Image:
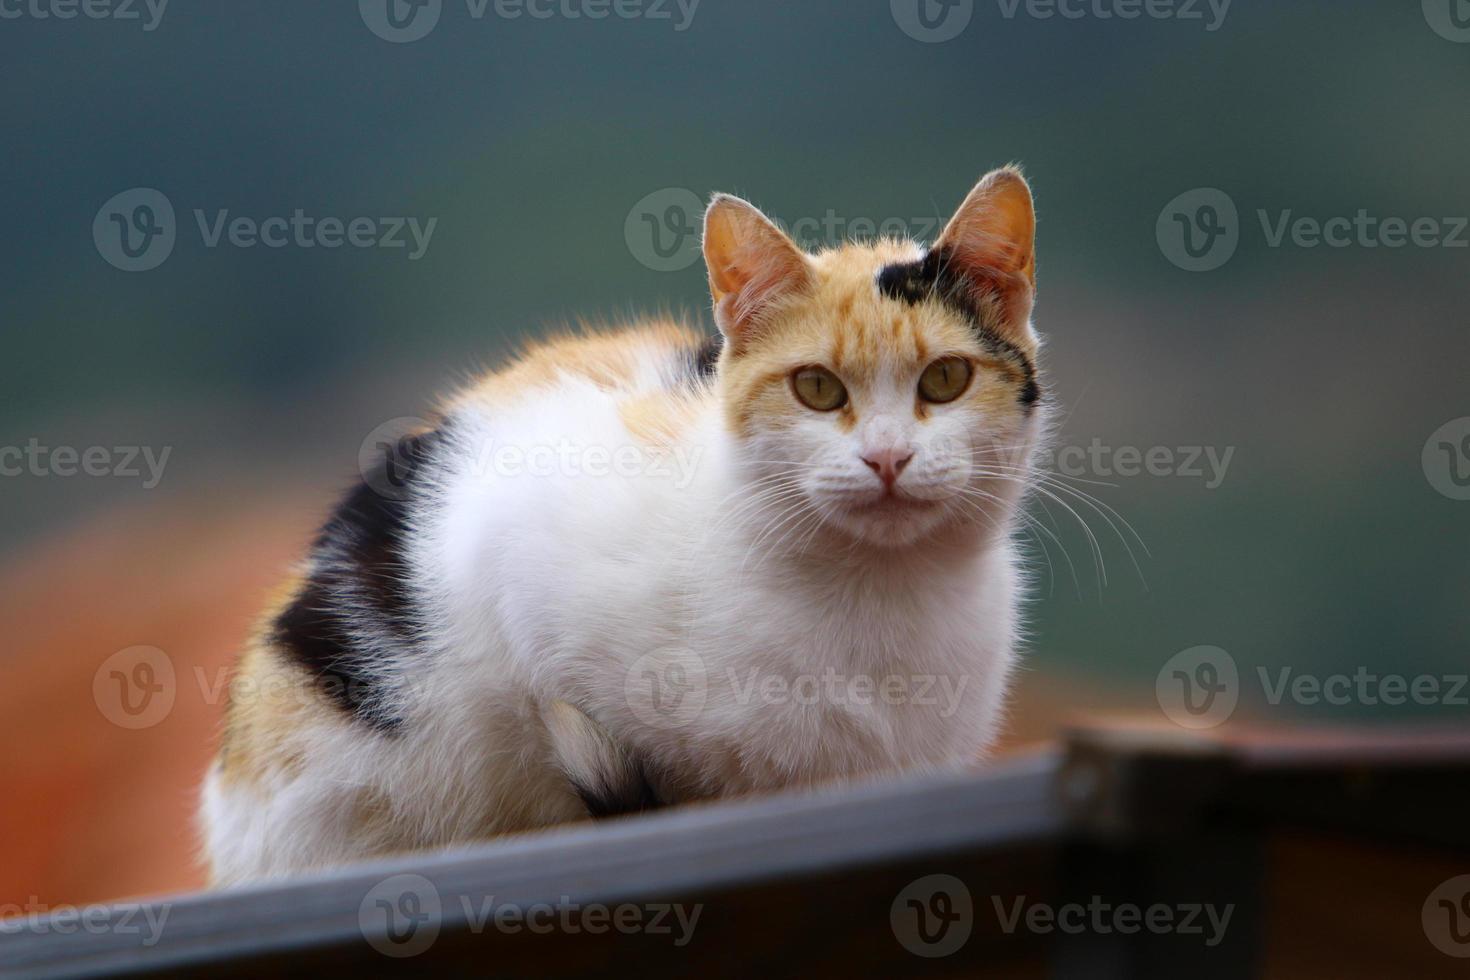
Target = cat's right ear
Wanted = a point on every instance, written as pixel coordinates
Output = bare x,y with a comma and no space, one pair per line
752,265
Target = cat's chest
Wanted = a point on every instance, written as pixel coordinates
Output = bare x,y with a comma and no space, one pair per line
800,692
776,721
788,625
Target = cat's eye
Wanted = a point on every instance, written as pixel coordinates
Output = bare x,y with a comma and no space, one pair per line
945,380
819,389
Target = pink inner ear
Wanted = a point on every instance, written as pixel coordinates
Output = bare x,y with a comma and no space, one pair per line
760,274
751,264
991,246
987,253
998,274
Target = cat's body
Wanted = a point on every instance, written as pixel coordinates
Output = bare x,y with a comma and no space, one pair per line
623,572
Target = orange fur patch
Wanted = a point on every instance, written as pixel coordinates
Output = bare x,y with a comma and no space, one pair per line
660,418
613,360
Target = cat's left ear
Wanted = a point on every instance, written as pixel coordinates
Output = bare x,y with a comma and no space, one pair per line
752,264
990,243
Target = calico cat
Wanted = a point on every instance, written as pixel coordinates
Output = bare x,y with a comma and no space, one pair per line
773,558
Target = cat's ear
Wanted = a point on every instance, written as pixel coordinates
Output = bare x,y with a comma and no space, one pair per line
752,265
990,243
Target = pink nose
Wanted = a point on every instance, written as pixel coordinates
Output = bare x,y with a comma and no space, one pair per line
888,463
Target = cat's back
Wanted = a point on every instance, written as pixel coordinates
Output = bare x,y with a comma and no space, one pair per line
639,359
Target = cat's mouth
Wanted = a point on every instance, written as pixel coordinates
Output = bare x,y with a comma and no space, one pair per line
893,502
894,519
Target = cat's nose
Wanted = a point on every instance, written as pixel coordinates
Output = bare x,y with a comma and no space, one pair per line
888,463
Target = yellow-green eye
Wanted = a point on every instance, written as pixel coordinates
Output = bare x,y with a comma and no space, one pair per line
945,380
819,389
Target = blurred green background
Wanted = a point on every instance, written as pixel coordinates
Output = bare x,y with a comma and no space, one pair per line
1325,547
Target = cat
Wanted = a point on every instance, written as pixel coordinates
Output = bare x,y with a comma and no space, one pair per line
775,557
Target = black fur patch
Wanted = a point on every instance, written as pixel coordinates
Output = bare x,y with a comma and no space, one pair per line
933,277
358,588
707,357
913,282
605,801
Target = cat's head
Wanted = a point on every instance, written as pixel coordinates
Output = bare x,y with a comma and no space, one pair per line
887,390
